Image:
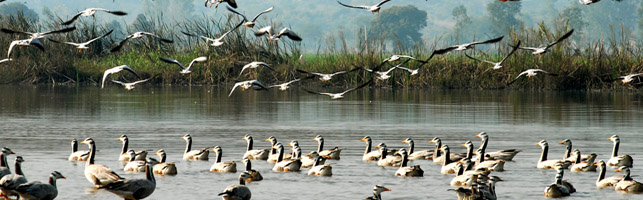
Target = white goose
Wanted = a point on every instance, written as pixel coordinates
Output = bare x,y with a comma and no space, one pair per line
616,160
337,96
284,86
254,65
84,45
268,31
374,8
184,70
545,49
248,84
91,12
134,165
250,23
130,86
531,73
507,154
115,70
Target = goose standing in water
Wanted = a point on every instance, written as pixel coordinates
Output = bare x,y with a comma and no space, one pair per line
320,169
77,155
368,154
163,167
134,188
238,191
417,155
583,166
254,174
605,182
283,165
408,171
10,182
92,12
627,184
40,191
99,175
616,160
543,163
274,155
544,49
559,188
134,165
4,166
374,8
377,192
331,154
448,166
249,23
219,166
259,154
184,70
125,155
189,154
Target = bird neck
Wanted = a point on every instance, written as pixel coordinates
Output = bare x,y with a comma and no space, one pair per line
3,160
369,144
568,151
405,160
248,166
485,141
543,154
188,145
481,156
281,154
437,152
469,152
163,157
125,145
320,145
219,155
615,149
577,158
92,153
447,157
250,143
411,147
149,174
242,181
74,147
601,174
18,169
383,153
52,180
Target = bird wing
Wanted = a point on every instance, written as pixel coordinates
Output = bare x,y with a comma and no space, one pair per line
404,68
199,59
235,87
266,65
359,7
69,43
235,12
141,81
261,85
313,92
528,48
120,44
305,72
4,30
472,58
119,13
168,60
5,60
488,41
229,31
358,87
561,38
13,44
512,51
193,35
290,82
37,43
263,31
232,3
292,35
74,18
398,65
156,36
261,13
102,36
382,2
119,82
59,31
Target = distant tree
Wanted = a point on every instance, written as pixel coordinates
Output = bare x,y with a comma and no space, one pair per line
502,16
461,18
608,16
573,15
405,22
641,20
15,8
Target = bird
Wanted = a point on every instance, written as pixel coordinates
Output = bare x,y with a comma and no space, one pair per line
326,77
134,188
125,155
10,182
330,154
163,167
184,70
583,166
319,169
84,45
254,174
530,73
38,35
249,23
137,35
98,175
92,12
254,154
559,188
569,151
4,168
130,86
462,47
374,8
40,191
544,49
616,160
435,52
602,181
117,69
543,163
134,165
627,184
77,155
337,96
416,155
629,78
377,192
408,171
448,166
394,58
385,160
219,166
5,60
215,42
248,84
238,191
232,3
507,154
368,154
269,32
189,154
383,75
285,165
587,2
26,42
254,65
497,65
284,86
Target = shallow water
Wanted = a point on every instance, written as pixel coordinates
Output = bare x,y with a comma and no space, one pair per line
39,122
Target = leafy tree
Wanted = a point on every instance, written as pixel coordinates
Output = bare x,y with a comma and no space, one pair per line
502,16
573,15
15,8
461,17
403,22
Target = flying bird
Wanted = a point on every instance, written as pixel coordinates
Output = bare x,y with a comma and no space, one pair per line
435,52
326,77
248,84
184,70
254,65
130,86
215,41
137,35
41,35
116,70
26,42
629,78
462,47
91,12
249,23
545,49
383,75
269,31
497,65
374,8
284,86
530,73
336,96
587,2
84,45
232,3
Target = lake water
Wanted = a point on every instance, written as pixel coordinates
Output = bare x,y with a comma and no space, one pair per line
38,123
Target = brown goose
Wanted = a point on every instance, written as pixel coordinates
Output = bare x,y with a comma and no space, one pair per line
99,175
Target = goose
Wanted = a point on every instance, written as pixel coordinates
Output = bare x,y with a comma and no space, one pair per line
629,78
41,35
184,70
627,184
258,154
408,171
115,70
544,49
134,188
137,35
462,47
219,166
461,179
492,165
248,84
26,42
559,188
273,155
285,165
531,73
337,96
163,167
368,154
497,65
254,65
383,75
91,12
448,166
99,175
125,155
543,163
134,165
216,3
214,42
77,155
326,77
374,8
587,2
490,191
237,191
569,151
268,31
435,52
471,192
308,160
602,181
10,182
385,160
130,86
416,155
584,166
84,45
4,166
40,191
438,156
616,160
189,154
377,192
254,174
249,23
284,86
320,169
331,154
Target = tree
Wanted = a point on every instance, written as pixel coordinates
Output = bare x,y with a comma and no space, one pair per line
15,8
399,22
502,16
641,20
574,17
461,17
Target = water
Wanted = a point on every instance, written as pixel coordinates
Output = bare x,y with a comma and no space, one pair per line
39,122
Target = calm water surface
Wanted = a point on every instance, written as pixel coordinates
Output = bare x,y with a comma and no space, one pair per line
39,122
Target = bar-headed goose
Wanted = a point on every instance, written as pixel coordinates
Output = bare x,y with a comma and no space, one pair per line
77,155
602,181
368,154
320,169
163,167
134,188
627,184
254,154
282,165
9,183
377,192
38,190
417,155
543,163
408,171
134,165
238,191
219,166
331,154
583,166
189,154
125,155
254,174
99,175
616,160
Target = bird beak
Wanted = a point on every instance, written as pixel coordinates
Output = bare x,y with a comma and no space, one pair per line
610,139
405,142
431,142
386,189
376,147
63,177
478,136
464,145
561,143
248,179
119,139
363,140
83,142
157,153
617,170
183,137
267,140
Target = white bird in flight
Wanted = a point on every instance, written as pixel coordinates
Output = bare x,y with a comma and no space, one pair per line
275,37
117,69
587,2
336,96
250,23
130,86
84,45
184,70
284,86
41,35
383,75
530,73
91,12
497,65
374,8
629,78
325,77
26,42
254,65
246,85
462,47
215,41
232,3
435,52
137,35
545,49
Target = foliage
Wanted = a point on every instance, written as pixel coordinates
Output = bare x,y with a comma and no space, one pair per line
461,18
14,8
401,22
502,16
